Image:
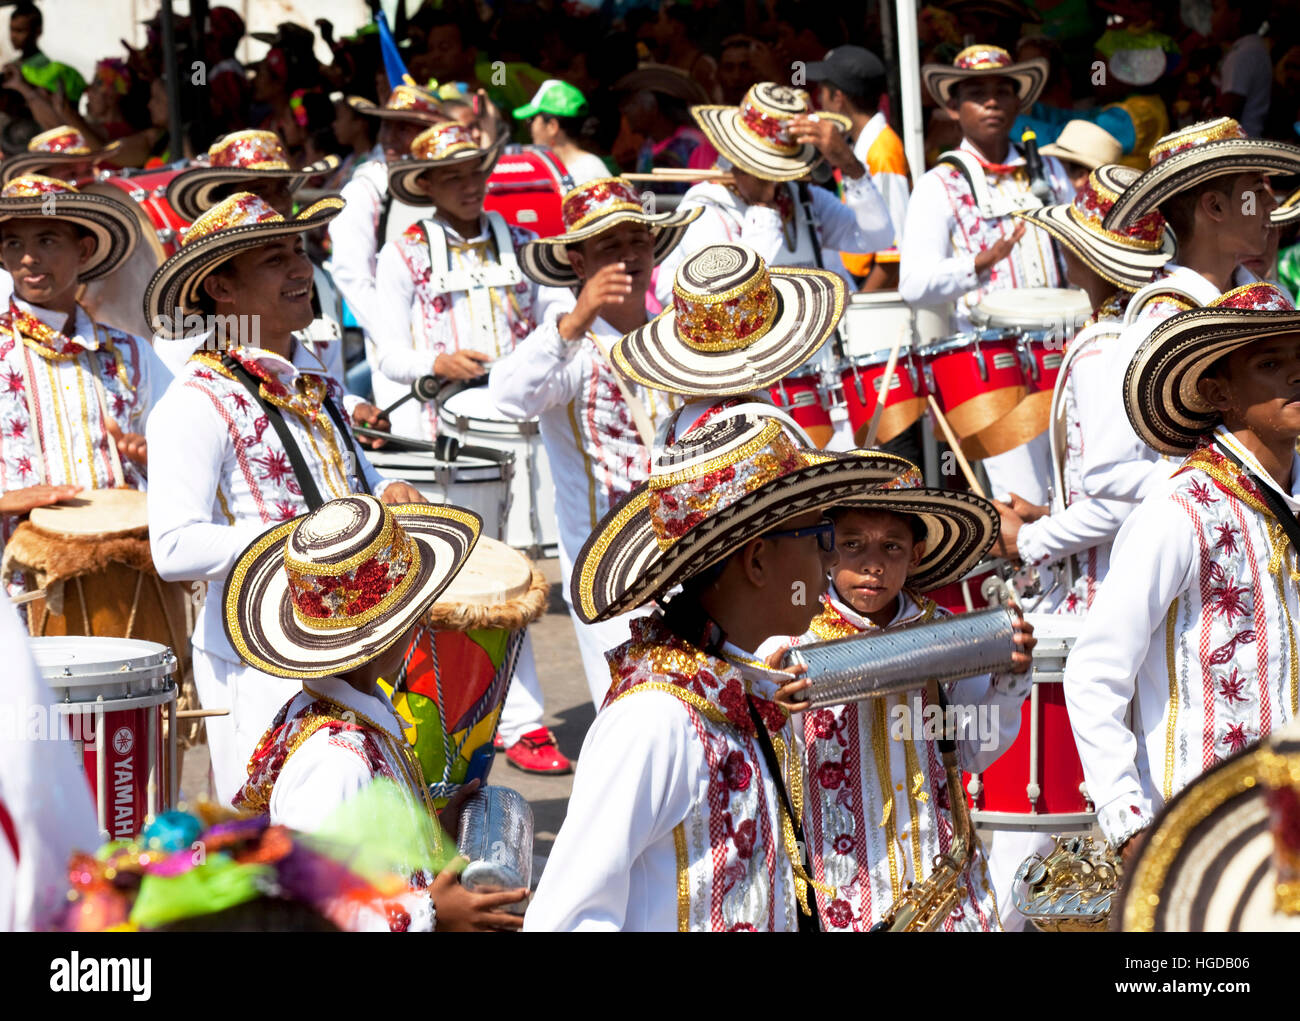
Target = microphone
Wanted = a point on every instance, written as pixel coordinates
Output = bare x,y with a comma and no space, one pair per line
1034,164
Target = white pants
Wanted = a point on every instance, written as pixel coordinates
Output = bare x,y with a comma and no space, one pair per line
1007,849
522,712
253,699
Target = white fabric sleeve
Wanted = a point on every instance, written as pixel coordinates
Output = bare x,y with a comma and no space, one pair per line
929,272
860,223
633,785
1081,526
398,359
543,372
188,444
1151,565
354,245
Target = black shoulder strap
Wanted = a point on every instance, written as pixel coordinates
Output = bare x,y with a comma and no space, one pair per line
310,494
340,423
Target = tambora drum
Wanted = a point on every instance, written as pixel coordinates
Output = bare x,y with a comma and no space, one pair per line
116,694
1037,784
470,416
477,478
457,672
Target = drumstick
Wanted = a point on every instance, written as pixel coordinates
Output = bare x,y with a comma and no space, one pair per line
951,440
883,394
190,714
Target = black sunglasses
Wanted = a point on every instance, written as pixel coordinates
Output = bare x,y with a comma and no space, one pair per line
824,530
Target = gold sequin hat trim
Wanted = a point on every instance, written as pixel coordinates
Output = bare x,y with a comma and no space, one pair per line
234,225
328,591
731,478
442,145
755,136
1211,859
113,223
735,325
985,61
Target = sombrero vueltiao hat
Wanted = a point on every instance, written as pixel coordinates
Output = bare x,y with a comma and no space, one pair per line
591,209
1186,158
331,590
1160,394
1223,854
960,527
983,61
234,160
1128,259
735,325
728,480
112,222
442,145
52,153
755,136
406,102
234,225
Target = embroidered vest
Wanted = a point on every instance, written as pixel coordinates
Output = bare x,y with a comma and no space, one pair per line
878,808
734,848
1230,639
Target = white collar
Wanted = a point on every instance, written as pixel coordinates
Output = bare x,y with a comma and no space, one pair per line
376,708
1292,499
83,330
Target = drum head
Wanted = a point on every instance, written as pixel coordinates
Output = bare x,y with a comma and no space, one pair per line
1033,308
95,512
494,574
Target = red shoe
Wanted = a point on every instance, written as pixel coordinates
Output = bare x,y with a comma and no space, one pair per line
536,752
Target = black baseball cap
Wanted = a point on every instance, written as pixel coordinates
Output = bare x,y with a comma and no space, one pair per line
850,68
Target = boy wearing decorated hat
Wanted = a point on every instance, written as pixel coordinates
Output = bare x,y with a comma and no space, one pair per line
251,434
869,761
591,420
1210,183
681,816
555,117
1110,266
452,300
76,393
331,601
1193,633
960,242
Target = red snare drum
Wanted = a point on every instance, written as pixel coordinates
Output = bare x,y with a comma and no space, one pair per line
114,693
905,403
802,397
1037,783
115,299
976,377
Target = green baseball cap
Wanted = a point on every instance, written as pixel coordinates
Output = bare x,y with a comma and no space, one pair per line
556,98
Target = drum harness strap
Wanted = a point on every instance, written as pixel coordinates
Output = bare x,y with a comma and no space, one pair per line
310,492
477,281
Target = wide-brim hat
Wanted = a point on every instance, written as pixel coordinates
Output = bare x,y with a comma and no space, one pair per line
983,61
406,102
734,325
1160,395
960,527
237,159
443,145
754,136
591,209
330,590
234,225
1128,259
728,480
1211,859
112,222
1186,158
52,152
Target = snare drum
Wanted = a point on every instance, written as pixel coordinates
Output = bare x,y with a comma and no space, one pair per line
457,672
115,299
1037,784
803,398
905,402
530,523
478,479
976,377
116,695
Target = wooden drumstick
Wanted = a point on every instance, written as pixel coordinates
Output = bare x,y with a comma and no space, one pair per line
951,440
882,395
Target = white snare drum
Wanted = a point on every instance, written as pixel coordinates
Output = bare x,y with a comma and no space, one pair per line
1037,784
114,692
478,479
472,418
873,319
